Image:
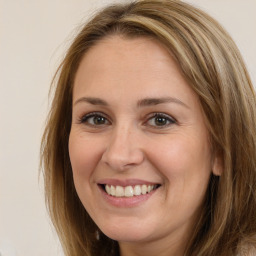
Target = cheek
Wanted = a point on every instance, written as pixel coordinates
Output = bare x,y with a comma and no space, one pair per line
84,156
182,159
185,166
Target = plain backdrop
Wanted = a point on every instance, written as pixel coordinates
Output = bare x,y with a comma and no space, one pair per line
33,38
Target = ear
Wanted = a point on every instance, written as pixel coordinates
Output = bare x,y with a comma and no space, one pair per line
217,165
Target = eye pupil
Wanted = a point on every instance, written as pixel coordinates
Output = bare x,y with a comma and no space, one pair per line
99,120
160,120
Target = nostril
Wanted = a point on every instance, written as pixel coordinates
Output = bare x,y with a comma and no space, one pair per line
121,154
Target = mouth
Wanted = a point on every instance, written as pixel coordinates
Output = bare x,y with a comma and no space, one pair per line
129,191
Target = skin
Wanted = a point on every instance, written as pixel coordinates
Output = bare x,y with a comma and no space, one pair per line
130,143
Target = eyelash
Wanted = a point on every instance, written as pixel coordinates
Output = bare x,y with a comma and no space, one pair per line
164,117
86,117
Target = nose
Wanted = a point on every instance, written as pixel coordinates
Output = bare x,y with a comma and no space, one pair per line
123,150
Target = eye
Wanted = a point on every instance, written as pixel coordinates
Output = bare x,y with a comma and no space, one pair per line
160,120
95,119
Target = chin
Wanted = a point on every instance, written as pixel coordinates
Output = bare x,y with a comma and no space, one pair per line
131,234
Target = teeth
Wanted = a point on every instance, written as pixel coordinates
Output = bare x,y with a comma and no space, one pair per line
119,191
137,190
129,191
112,191
107,188
144,189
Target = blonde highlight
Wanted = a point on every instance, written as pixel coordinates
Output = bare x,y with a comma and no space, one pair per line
213,66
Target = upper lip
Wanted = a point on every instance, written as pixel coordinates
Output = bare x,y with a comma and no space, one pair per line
127,182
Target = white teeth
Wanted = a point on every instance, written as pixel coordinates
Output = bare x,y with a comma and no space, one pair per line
107,187
137,190
112,191
144,189
119,191
129,191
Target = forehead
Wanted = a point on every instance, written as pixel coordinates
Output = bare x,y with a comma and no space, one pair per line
115,59
126,53
125,71
122,72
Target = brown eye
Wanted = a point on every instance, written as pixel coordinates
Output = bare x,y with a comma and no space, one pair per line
99,120
94,119
160,120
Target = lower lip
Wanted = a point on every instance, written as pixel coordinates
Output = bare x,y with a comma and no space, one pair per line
126,201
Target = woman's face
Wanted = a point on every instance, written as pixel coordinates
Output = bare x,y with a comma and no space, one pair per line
138,145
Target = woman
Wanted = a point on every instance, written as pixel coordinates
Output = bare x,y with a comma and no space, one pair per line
150,144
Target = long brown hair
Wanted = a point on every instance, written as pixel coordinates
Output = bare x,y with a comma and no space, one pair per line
212,65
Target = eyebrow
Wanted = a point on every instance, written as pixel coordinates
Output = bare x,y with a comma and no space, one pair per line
141,103
92,101
156,101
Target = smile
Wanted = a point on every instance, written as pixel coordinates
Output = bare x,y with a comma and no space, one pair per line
129,191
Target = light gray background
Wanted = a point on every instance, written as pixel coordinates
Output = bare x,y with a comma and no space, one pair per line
33,39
